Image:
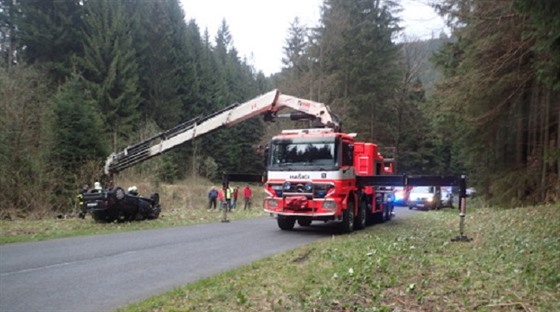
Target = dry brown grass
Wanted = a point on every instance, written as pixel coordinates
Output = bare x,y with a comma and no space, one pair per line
182,195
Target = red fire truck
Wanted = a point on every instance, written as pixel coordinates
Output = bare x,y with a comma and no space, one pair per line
312,176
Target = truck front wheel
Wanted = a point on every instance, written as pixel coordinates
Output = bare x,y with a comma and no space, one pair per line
286,223
347,224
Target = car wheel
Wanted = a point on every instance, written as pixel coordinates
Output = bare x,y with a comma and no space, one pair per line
157,211
119,193
347,224
286,223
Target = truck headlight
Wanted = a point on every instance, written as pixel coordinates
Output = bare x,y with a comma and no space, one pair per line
329,205
271,202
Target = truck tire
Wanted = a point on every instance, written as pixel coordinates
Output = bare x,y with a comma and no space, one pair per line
370,216
387,212
286,223
379,217
360,221
347,225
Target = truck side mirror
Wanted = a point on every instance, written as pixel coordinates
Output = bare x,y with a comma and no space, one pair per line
266,153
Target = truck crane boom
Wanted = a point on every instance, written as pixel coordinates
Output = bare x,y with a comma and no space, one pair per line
267,104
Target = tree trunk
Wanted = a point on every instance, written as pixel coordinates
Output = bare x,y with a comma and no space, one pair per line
115,140
557,151
545,143
520,132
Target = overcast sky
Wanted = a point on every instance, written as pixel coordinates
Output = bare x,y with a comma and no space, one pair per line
259,27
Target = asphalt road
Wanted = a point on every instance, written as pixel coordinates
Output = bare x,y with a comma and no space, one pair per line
104,272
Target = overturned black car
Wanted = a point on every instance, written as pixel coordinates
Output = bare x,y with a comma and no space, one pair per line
117,205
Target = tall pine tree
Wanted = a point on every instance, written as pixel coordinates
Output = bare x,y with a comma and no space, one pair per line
506,97
110,68
77,128
49,33
357,64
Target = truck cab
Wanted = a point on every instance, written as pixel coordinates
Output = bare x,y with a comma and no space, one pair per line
310,174
312,177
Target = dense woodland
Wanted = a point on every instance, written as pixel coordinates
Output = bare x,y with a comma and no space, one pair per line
82,78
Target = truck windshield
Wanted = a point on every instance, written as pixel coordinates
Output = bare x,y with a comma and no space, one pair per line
318,154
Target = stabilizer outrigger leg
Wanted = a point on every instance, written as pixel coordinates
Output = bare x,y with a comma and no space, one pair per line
225,204
462,212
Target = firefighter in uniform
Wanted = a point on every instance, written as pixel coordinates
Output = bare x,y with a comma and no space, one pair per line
81,204
229,198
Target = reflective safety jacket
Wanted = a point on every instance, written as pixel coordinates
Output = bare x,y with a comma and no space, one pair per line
228,193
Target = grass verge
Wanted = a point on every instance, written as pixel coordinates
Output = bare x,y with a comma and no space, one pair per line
512,264
182,204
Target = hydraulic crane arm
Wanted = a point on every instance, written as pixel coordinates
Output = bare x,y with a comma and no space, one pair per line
267,104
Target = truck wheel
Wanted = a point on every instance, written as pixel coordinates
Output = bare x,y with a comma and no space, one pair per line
360,222
286,223
370,217
387,213
304,221
347,225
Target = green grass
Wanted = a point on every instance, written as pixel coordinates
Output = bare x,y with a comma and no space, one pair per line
512,264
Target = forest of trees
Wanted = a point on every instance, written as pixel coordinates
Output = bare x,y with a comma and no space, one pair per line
493,115
82,78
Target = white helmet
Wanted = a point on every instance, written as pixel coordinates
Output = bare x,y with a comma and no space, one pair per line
97,186
133,189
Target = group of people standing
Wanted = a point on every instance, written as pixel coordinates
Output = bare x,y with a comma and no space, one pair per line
228,197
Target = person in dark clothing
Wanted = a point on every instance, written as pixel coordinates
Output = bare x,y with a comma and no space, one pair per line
234,195
212,198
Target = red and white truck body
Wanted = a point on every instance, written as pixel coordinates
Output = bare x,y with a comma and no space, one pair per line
312,175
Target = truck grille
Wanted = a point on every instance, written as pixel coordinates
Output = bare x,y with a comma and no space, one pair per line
317,190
